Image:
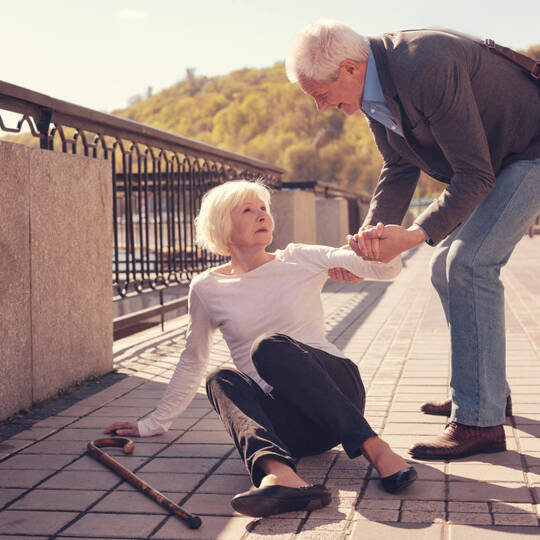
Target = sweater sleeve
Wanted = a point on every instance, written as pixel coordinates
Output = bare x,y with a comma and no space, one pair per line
325,257
188,373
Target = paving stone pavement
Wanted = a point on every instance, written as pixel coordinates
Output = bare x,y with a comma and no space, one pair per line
50,487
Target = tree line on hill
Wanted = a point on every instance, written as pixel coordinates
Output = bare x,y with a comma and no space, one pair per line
257,112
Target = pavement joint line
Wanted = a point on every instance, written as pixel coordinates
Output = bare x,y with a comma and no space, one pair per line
36,486
107,492
366,480
193,491
524,469
304,520
511,281
61,428
83,513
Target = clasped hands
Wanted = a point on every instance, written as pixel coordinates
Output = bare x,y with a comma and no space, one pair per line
380,243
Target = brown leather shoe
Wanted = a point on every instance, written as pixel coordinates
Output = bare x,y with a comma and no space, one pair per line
444,408
459,440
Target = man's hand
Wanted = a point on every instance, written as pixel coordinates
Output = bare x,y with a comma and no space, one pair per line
343,276
394,239
364,245
124,429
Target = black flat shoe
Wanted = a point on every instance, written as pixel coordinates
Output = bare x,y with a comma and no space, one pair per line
271,500
400,480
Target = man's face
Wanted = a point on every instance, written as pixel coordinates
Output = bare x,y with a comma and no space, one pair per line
344,93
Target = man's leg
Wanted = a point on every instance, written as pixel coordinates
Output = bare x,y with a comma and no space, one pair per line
475,305
439,280
481,248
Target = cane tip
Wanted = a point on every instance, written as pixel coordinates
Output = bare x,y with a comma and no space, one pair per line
194,522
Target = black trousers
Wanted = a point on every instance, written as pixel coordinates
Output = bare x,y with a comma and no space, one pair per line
317,402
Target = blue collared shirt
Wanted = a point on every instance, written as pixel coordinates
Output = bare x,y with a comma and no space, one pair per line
373,101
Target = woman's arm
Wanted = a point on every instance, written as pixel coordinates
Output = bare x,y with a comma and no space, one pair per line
186,378
325,257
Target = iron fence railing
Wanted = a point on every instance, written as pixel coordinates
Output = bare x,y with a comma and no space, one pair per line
158,181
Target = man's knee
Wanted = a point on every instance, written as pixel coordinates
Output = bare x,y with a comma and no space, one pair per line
459,265
437,269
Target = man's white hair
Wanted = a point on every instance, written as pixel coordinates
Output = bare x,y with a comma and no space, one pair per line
213,225
319,48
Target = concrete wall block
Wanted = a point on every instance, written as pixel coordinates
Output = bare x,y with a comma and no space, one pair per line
294,214
15,329
71,246
332,221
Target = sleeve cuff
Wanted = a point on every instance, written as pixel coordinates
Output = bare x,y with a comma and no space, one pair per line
428,240
148,427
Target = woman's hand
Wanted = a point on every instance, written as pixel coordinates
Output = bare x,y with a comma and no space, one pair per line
124,429
343,276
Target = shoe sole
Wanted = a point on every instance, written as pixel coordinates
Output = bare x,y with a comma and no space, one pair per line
488,449
267,506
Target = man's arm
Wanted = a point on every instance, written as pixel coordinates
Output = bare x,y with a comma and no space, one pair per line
445,96
396,184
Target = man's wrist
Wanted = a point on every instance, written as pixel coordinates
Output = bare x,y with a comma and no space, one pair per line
416,235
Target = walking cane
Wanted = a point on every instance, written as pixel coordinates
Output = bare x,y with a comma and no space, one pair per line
94,449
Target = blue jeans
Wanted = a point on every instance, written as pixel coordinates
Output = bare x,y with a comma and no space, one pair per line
465,272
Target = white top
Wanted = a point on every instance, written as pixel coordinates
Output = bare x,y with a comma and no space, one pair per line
282,295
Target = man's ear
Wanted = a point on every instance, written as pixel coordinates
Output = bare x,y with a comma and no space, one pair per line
350,66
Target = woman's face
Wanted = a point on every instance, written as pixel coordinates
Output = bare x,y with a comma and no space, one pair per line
252,225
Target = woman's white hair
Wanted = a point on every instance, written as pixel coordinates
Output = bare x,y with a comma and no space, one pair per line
213,224
319,48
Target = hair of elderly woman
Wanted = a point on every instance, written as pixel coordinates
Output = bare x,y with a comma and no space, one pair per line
319,48
213,224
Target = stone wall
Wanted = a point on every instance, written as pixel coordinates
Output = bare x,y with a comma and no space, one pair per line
302,218
294,214
55,291
332,216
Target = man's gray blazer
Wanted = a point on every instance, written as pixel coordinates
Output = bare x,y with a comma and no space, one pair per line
465,114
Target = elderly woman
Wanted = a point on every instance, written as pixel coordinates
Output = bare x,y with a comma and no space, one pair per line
292,393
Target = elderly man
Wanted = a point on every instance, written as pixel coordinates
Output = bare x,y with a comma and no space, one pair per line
441,102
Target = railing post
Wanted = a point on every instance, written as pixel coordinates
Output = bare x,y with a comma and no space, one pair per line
43,123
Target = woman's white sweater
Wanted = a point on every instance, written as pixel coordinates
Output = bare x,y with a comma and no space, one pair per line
281,296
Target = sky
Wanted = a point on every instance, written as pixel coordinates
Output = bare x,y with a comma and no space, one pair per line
99,53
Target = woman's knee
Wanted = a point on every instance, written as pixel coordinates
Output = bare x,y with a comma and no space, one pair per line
221,376
267,348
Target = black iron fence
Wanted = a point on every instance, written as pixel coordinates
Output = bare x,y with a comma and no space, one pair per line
158,181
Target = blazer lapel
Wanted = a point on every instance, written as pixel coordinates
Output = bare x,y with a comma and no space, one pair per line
378,49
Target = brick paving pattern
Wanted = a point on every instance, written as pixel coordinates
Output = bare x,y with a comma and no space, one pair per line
50,488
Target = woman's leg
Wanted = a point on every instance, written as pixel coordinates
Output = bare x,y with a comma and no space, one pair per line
247,413
329,393
324,388
245,409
